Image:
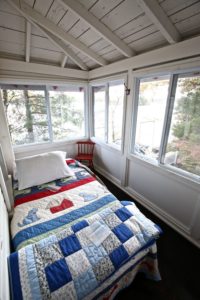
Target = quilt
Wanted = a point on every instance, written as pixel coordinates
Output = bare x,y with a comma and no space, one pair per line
74,264
44,210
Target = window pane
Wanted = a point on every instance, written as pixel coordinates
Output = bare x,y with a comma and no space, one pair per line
99,111
183,148
27,115
67,113
150,117
116,102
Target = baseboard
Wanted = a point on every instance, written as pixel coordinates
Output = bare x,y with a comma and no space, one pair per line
169,220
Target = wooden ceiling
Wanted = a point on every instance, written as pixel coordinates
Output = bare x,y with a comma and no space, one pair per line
86,34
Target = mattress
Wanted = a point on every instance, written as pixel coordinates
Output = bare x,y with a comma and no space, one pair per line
58,254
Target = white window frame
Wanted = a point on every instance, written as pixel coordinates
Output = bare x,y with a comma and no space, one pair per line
167,121
51,143
105,82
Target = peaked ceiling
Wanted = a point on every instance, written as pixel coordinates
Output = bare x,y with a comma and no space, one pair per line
86,34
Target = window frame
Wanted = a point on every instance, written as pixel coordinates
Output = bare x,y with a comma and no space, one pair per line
105,82
45,88
174,76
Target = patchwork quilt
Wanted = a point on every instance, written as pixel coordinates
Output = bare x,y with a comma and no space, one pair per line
75,240
69,265
43,210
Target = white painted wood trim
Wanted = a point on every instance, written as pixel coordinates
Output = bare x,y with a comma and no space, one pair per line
98,26
177,226
157,15
182,50
32,14
63,47
6,182
21,66
4,250
6,151
28,41
5,192
64,61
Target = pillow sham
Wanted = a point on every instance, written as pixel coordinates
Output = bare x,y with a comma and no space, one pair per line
42,168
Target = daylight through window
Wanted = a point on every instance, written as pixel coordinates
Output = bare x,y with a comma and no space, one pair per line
36,115
168,122
108,104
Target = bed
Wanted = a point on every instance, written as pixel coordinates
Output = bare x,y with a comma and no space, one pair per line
72,239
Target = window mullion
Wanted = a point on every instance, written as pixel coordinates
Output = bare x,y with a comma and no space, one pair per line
106,112
48,114
92,101
168,117
136,88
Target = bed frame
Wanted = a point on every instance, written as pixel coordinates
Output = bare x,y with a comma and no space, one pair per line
5,211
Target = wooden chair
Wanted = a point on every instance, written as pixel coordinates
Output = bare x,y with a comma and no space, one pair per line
85,152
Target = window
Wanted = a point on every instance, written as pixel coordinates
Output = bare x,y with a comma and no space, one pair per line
36,116
99,112
168,122
108,106
183,143
26,114
67,112
150,117
115,116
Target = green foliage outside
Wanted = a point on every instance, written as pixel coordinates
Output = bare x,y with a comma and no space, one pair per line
67,115
186,127
27,115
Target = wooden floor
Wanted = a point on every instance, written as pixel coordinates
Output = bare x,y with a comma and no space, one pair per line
179,264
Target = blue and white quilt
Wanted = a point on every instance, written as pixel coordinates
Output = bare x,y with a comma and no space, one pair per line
71,264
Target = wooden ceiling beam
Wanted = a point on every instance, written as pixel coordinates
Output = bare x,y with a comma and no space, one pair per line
28,41
58,32
64,48
64,60
56,41
157,15
22,67
98,26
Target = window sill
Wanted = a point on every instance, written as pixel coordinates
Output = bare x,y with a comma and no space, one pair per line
109,147
191,182
45,146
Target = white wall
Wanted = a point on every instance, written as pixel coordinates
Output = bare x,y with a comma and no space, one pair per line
69,147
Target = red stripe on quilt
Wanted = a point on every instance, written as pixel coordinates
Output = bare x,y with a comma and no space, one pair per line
70,161
47,193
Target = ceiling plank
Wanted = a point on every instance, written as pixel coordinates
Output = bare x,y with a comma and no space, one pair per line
56,31
98,26
169,53
157,15
64,60
56,41
28,41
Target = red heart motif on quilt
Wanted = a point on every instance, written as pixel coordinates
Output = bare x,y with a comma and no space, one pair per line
64,205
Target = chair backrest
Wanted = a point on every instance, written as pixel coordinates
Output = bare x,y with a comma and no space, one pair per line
86,147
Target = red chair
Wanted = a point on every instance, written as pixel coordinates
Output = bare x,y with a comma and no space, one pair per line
85,152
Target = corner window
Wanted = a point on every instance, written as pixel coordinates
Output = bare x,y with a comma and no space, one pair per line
38,114
168,122
108,108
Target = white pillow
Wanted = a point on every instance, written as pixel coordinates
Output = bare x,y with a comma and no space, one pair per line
42,168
